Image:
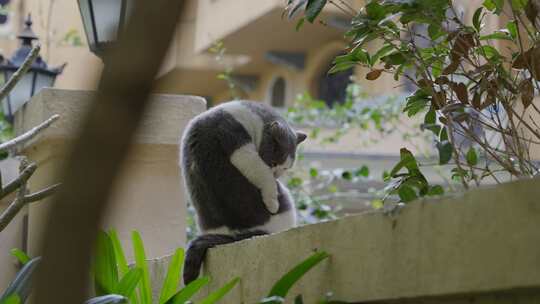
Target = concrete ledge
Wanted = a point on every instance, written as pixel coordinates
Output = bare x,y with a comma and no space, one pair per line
480,244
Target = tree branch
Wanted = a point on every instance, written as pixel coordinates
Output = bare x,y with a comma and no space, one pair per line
41,194
28,135
25,175
27,63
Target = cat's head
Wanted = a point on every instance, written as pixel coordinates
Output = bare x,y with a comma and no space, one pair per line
285,140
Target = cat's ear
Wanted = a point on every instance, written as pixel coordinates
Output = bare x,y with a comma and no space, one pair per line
278,131
300,137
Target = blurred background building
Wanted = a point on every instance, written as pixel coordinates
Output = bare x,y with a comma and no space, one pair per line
268,60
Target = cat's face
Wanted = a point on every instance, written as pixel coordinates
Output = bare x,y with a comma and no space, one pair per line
284,143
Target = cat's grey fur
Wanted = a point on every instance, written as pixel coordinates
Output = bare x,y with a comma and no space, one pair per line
232,156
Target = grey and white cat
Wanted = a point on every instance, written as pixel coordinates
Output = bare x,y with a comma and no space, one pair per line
232,156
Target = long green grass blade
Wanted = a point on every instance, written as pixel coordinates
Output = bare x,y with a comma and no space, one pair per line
121,260
129,282
187,292
172,279
145,288
283,285
105,269
22,257
220,293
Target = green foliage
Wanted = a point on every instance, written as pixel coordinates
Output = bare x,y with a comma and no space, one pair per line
172,280
220,293
20,255
281,288
412,183
135,283
462,77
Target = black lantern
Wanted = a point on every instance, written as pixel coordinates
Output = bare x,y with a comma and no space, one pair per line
38,76
104,21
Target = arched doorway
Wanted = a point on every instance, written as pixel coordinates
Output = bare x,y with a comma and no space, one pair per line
278,93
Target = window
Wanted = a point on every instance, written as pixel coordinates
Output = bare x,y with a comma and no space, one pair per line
277,93
4,14
333,87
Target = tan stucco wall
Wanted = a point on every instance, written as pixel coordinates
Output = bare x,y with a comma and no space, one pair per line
149,196
481,246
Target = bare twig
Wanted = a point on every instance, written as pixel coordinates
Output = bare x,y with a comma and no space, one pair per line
41,194
28,135
20,180
11,211
27,63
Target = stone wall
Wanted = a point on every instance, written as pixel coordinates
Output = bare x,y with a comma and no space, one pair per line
479,247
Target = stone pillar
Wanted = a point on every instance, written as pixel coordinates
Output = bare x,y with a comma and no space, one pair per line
149,196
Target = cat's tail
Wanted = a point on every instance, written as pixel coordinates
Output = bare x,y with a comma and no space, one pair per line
197,250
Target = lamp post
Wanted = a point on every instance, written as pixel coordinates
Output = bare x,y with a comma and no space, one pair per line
104,21
38,76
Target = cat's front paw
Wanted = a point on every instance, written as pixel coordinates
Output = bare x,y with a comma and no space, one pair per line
271,201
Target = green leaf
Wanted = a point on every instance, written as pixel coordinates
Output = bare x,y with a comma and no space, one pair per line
299,299
313,9
121,262
472,158
346,175
518,5
299,24
172,279
490,52
435,190
407,160
283,285
108,299
407,193
477,19
416,103
22,284
375,11
380,53
363,171
500,35
129,282
119,255
430,117
435,31
445,152
187,292
12,299
145,288
495,6
220,293
313,172
22,257
105,269
512,29
394,59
